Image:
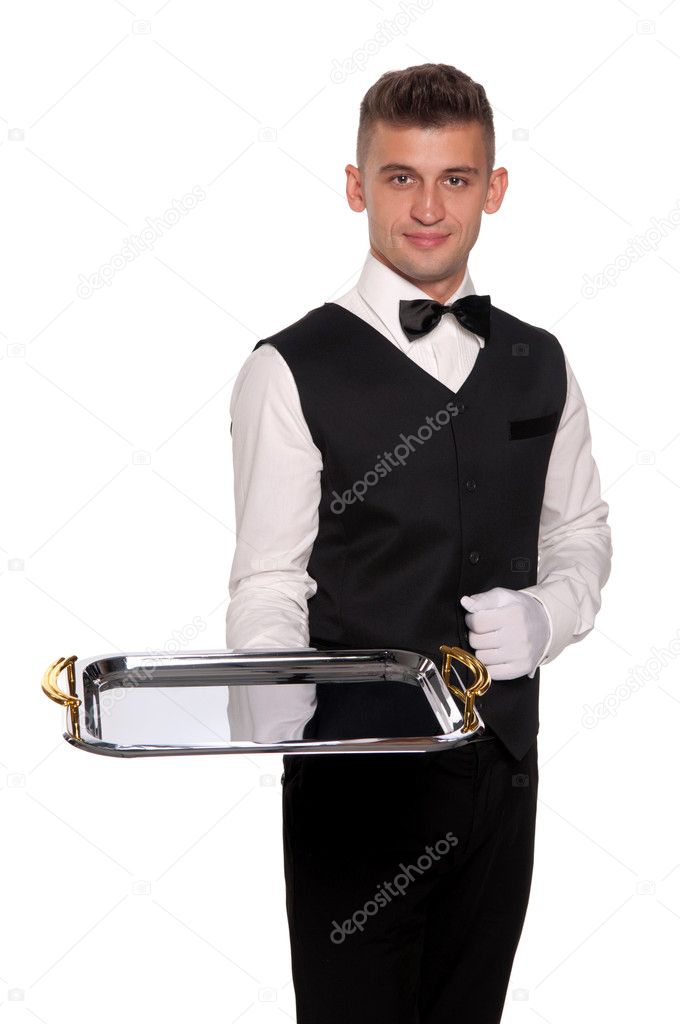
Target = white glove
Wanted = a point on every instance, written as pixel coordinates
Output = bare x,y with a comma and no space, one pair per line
508,631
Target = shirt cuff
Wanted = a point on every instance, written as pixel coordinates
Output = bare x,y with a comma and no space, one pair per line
557,598
544,655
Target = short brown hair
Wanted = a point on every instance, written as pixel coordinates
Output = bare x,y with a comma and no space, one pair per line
425,95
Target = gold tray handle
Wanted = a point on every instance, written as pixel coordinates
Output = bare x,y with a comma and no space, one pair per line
481,684
68,700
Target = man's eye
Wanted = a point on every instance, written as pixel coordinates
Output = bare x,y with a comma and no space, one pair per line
452,178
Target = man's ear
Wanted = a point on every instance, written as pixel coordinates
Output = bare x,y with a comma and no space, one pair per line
498,183
354,189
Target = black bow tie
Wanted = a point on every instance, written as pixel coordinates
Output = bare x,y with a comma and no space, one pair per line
418,316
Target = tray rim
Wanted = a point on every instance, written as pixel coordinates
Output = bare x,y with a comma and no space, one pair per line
428,678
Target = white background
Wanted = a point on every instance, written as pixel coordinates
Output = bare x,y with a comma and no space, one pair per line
153,888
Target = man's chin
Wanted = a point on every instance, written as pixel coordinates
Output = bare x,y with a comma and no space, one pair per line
421,266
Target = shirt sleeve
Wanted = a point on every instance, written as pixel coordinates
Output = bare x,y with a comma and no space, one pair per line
574,548
277,489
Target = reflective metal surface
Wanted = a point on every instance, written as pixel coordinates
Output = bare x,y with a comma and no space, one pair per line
221,702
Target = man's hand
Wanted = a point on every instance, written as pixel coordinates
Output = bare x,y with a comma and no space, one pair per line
508,631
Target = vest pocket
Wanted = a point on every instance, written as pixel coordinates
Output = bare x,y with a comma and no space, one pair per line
533,427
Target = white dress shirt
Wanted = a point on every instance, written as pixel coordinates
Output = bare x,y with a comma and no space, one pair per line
277,491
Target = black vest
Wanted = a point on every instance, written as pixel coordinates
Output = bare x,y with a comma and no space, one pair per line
426,495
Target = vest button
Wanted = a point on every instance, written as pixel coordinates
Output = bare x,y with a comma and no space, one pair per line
471,484
474,557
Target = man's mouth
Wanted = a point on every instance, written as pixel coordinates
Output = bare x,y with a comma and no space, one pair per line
425,240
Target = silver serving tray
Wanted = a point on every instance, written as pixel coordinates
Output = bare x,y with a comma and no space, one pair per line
213,702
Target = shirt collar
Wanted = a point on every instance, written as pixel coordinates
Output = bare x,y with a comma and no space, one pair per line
382,288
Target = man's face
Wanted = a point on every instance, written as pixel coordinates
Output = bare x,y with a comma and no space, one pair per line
425,190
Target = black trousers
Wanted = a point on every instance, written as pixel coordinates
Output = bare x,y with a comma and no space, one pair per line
407,882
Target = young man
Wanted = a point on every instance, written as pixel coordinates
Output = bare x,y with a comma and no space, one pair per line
408,876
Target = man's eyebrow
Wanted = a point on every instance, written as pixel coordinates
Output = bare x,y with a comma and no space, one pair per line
462,169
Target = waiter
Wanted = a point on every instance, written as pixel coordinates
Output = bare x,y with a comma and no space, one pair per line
403,455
